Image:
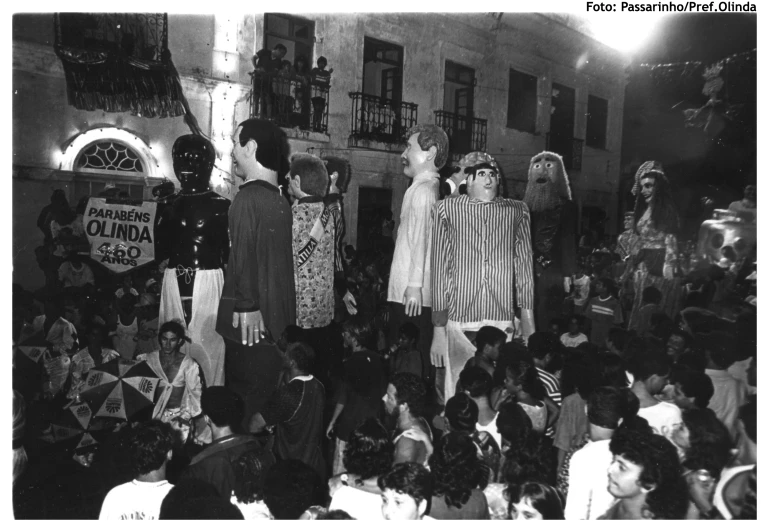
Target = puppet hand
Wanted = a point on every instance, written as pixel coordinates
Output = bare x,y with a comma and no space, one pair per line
527,324
667,272
251,326
412,300
567,284
440,347
350,303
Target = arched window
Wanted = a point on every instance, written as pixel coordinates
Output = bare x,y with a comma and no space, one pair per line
109,155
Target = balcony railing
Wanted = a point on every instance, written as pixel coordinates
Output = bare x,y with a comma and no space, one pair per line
568,148
379,120
466,134
290,101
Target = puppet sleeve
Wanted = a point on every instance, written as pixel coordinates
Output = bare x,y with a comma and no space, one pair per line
522,261
244,226
442,248
568,239
417,233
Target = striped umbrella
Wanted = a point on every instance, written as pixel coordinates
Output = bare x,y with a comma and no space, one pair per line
120,389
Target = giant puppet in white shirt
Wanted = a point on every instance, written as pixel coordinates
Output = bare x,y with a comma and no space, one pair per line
481,268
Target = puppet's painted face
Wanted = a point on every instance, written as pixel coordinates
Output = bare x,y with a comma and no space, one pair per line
628,223
544,168
484,186
193,158
648,184
414,158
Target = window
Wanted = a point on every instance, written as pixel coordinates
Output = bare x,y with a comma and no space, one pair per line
382,69
296,34
110,155
597,115
522,102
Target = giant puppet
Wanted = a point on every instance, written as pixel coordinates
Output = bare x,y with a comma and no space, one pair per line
656,223
193,236
482,269
553,222
409,287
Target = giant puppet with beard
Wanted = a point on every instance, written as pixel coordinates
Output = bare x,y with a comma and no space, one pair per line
553,222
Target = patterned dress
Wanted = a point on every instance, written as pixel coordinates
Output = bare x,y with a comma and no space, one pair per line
648,273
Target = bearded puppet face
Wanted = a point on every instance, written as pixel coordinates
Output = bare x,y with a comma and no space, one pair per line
548,183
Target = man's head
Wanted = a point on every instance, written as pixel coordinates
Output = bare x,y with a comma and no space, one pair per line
339,173
542,345
678,342
652,368
307,176
259,145
150,446
299,357
406,492
643,463
279,51
482,181
290,487
750,193
194,158
606,407
171,337
548,184
322,63
718,347
409,335
575,322
651,296
489,340
462,413
356,332
405,395
475,382
692,389
223,407
427,150
616,340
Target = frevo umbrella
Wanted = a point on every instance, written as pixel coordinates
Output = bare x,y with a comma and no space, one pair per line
80,431
120,388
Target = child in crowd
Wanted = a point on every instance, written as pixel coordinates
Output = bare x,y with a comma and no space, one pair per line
581,293
320,79
404,357
488,341
574,336
604,311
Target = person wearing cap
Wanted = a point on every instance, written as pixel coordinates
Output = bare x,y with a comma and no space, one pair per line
222,412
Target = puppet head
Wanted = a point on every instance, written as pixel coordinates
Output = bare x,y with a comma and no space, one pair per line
483,181
458,180
652,190
193,157
427,150
548,184
307,176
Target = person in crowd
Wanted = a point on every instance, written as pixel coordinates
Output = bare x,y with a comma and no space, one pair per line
579,377
180,384
746,207
406,492
588,497
74,273
488,342
574,336
523,386
94,354
250,470
476,384
126,326
296,412
357,397
645,477
543,347
535,501
409,291
656,223
603,311
149,322
404,400
320,78
258,296
222,411
691,389
616,340
650,305
729,394
405,357
612,371
367,456
628,239
581,288
459,478
678,343
293,490
651,371
151,448
195,499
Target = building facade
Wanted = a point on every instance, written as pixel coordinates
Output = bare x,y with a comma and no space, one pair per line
508,84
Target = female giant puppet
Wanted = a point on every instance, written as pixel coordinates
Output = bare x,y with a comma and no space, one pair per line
656,223
194,236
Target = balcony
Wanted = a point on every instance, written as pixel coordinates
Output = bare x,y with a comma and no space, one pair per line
466,134
290,101
376,119
568,148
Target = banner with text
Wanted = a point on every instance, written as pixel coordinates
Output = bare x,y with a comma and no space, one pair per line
122,237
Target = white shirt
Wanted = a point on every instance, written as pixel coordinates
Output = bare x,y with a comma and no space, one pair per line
491,428
573,341
360,504
662,418
589,497
411,259
135,500
729,394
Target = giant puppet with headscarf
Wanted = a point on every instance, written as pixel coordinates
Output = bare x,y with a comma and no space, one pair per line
553,241
656,224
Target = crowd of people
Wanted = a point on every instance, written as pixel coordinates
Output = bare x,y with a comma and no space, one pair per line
635,399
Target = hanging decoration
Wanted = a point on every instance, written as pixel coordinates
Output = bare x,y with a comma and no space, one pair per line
120,62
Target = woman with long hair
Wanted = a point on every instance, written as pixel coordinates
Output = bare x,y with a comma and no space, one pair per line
536,501
459,478
522,385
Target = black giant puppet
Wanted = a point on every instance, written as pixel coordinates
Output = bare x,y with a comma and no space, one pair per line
553,222
194,237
